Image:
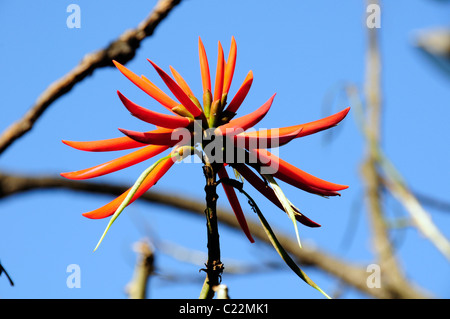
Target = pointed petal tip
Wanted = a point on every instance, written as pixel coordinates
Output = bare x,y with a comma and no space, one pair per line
69,175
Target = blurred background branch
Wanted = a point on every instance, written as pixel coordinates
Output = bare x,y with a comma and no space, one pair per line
122,50
350,274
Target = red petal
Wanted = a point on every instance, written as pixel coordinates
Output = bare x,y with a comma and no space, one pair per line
241,94
234,201
264,139
117,164
268,192
177,91
159,119
295,176
247,121
109,209
148,87
307,128
160,136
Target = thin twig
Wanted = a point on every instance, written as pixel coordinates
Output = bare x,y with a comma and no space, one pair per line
122,49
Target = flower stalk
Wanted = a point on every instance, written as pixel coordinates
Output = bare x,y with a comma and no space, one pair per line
214,266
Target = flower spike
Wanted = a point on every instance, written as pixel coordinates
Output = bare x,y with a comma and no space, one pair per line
242,150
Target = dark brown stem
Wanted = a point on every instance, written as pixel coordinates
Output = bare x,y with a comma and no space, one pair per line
214,266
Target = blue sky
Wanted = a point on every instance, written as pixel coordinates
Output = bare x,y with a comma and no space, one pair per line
301,50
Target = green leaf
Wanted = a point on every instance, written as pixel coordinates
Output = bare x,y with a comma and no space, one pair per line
130,195
285,202
279,248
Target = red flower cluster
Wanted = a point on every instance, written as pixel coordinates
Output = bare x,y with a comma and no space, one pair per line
215,116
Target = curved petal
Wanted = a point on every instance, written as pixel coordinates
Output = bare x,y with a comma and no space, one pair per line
159,119
293,175
218,84
204,67
177,91
148,87
265,139
109,209
247,121
159,137
268,192
113,144
117,164
181,82
230,65
234,201
307,128
241,94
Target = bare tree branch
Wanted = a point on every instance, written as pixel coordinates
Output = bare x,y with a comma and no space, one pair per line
122,49
392,273
350,274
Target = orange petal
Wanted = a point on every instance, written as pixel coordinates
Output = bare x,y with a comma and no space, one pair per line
148,87
218,88
159,137
181,82
117,164
113,144
234,201
109,209
204,67
264,139
241,94
306,128
230,65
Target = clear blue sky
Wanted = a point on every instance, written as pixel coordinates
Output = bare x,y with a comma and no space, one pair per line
303,51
